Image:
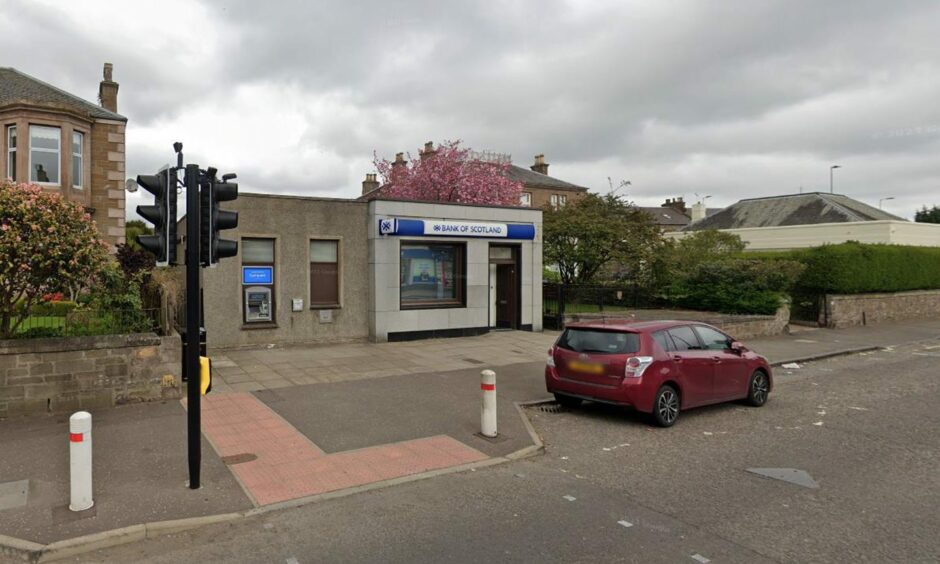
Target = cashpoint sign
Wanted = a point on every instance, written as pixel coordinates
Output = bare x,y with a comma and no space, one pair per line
257,275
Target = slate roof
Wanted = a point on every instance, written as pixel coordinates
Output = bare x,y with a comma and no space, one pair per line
667,216
793,209
16,86
530,177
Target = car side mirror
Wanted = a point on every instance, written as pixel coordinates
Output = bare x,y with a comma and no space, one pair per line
737,347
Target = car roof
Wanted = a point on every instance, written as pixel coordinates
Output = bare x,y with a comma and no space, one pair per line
631,325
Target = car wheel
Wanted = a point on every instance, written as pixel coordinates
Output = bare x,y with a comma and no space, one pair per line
666,406
758,389
567,401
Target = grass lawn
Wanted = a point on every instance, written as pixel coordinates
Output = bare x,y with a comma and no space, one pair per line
41,321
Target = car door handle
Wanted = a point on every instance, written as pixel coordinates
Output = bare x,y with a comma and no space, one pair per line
717,359
677,358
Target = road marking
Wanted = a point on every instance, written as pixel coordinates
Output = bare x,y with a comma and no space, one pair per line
569,497
292,560
858,408
818,424
699,558
626,524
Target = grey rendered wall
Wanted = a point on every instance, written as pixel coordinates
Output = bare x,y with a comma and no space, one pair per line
292,222
385,314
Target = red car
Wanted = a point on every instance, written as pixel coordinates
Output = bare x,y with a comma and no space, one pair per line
656,367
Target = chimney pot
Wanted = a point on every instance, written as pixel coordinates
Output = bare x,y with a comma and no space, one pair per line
540,165
369,184
108,89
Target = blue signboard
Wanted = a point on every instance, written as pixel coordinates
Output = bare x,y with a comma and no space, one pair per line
257,275
456,228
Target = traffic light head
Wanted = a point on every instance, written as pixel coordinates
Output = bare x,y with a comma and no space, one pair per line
162,214
212,219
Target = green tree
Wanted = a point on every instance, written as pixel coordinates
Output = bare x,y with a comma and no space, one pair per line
46,244
134,228
707,245
928,215
592,232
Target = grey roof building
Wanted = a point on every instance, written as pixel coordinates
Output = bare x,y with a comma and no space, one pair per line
16,86
794,209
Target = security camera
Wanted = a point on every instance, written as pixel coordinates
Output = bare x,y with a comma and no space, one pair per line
130,185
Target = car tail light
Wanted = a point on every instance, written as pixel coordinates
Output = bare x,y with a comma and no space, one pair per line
550,361
636,365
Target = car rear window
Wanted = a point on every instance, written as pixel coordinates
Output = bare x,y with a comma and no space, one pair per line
599,341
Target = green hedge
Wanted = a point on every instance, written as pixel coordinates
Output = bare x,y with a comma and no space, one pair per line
737,286
857,268
57,309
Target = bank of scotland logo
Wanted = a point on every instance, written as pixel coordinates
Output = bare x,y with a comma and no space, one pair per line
386,226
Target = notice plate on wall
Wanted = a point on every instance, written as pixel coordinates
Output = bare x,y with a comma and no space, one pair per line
326,316
297,304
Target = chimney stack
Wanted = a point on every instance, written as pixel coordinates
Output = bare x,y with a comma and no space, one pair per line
428,150
676,204
399,160
108,89
369,184
540,165
698,211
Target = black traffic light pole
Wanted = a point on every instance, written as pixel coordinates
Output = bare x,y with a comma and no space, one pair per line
193,297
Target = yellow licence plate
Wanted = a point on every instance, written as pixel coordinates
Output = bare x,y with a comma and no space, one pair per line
588,367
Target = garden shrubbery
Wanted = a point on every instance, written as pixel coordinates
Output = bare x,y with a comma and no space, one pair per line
736,286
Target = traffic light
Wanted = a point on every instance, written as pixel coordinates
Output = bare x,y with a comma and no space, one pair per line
162,214
212,219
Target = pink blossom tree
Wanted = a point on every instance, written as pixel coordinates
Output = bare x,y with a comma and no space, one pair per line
448,174
46,244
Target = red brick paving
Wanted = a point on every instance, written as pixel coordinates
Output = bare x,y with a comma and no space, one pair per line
289,466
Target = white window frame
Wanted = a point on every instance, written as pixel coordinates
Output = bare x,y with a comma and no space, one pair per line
78,183
562,200
11,151
525,199
58,153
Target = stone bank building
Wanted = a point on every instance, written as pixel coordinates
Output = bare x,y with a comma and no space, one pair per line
320,270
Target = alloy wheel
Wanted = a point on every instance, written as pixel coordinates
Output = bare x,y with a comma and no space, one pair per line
668,406
759,388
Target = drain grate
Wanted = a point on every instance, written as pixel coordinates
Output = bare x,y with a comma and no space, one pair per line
239,458
549,407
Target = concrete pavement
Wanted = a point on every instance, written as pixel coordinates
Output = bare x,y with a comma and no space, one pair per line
612,489
140,450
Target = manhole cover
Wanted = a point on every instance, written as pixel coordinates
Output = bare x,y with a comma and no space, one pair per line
13,494
548,407
472,360
239,458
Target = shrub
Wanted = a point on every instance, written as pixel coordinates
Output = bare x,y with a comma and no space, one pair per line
40,332
737,286
56,309
856,268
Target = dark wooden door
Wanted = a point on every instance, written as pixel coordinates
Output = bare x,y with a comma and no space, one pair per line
506,296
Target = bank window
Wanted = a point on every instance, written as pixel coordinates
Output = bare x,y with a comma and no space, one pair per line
324,273
258,280
525,199
433,275
44,146
78,145
11,152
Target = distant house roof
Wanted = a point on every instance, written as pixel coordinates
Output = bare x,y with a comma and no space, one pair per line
532,178
16,86
793,209
666,216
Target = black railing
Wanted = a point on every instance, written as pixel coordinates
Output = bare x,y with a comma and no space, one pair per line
559,300
83,322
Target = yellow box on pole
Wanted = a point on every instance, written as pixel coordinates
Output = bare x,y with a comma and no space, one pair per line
205,375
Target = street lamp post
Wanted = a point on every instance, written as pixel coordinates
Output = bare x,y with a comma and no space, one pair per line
832,168
883,200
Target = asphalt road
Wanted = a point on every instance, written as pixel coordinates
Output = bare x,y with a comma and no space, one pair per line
863,427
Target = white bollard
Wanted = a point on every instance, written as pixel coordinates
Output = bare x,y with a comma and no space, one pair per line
488,408
80,460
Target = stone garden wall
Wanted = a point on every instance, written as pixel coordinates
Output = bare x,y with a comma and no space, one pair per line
72,373
849,310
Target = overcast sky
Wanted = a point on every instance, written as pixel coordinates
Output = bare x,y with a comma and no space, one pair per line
728,99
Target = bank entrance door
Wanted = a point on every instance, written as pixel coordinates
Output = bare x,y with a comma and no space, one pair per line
504,287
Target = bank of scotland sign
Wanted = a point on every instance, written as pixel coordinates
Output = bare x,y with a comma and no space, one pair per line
455,228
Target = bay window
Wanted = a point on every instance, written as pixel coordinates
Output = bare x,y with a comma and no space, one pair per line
44,150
